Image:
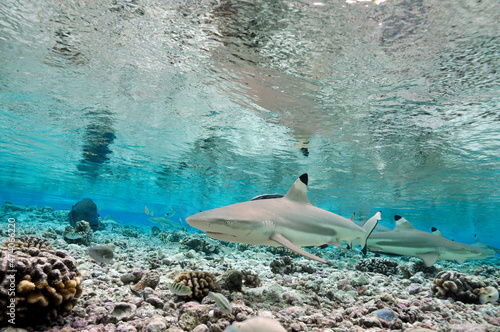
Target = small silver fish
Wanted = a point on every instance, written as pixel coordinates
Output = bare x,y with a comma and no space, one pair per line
222,302
101,253
73,236
180,289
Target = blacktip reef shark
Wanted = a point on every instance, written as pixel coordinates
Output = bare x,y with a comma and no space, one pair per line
406,240
290,221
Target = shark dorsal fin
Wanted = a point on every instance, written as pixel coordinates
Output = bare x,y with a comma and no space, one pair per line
352,217
436,231
298,192
402,224
476,239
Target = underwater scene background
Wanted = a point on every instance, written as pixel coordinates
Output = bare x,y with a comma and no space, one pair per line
157,110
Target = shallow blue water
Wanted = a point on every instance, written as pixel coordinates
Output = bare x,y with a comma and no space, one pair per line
195,105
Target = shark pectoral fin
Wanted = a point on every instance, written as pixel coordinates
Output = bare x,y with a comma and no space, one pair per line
429,258
460,260
286,243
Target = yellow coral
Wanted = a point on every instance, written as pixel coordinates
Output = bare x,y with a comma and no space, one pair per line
79,291
71,284
37,297
25,286
56,297
60,285
41,284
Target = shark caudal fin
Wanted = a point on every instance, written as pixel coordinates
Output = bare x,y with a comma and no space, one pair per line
369,226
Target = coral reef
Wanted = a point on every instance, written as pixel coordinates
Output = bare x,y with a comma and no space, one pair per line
200,243
250,279
81,234
200,283
459,286
335,298
378,265
48,282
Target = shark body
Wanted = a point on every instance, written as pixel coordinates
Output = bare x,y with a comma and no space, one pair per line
406,240
290,221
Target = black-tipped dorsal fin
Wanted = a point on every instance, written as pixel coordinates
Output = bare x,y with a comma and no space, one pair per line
352,217
402,224
436,232
298,192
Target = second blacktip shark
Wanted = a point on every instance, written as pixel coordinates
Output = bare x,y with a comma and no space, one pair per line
406,240
290,221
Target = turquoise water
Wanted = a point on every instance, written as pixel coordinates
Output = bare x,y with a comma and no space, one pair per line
195,105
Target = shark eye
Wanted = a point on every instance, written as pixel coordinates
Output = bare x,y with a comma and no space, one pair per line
227,222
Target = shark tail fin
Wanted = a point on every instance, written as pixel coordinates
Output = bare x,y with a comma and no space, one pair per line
369,226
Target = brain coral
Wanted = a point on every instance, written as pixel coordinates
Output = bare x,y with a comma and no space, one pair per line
36,284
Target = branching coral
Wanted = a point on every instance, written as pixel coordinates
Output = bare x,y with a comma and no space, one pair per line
200,283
